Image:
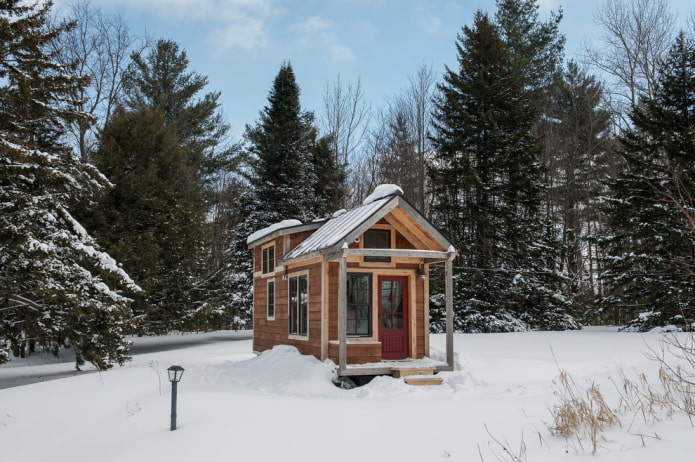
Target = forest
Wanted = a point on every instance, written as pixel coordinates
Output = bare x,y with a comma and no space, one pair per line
125,203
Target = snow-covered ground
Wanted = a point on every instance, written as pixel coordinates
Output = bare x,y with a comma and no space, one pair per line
234,406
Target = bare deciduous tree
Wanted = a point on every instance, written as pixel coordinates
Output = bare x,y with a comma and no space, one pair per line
396,146
101,45
636,35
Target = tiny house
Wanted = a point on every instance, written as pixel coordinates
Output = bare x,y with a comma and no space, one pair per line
354,287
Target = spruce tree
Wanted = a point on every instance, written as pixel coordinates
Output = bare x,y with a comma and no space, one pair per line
286,159
536,47
181,286
283,174
161,81
649,269
57,287
150,219
488,187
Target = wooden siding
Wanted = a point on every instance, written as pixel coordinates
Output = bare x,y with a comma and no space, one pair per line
268,333
357,352
296,238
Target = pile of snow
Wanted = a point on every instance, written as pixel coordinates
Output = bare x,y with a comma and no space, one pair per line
271,229
381,191
281,404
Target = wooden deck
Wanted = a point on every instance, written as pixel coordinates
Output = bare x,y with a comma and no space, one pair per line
396,368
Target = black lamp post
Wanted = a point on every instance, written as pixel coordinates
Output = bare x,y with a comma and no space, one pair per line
175,374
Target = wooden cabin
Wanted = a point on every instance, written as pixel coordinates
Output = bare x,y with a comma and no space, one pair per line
353,288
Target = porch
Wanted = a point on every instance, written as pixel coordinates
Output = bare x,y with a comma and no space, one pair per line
348,366
400,368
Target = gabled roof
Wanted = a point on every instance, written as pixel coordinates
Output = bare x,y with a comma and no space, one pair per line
346,227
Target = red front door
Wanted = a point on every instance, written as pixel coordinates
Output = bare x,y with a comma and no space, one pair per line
393,316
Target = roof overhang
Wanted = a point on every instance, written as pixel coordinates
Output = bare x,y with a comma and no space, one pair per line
289,230
336,250
428,256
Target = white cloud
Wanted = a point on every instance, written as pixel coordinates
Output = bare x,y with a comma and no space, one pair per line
320,33
426,20
228,23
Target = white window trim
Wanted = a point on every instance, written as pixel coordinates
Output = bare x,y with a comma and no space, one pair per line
275,268
308,305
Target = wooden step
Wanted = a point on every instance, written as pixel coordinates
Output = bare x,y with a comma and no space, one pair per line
423,380
405,371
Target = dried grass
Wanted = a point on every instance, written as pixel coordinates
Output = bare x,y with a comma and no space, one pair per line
582,415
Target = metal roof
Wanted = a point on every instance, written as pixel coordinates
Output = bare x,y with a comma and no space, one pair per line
336,229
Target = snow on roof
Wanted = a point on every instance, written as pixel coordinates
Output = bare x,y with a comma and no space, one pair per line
337,228
271,229
383,190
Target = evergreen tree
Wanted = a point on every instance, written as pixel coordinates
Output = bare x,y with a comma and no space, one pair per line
487,185
535,47
286,159
57,288
170,240
150,217
283,174
580,158
161,81
651,245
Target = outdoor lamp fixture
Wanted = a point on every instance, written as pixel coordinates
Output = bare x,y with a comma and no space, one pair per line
175,374
421,272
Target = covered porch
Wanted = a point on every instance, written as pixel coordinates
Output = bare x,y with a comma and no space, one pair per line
390,367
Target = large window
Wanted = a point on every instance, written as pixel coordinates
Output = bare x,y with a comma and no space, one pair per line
359,304
271,299
269,259
299,304
377,239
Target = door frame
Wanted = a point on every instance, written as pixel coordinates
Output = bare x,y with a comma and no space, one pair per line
407,314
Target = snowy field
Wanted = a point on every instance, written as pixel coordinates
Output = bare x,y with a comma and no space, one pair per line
234,406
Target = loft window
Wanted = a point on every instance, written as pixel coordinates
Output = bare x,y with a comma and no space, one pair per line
271,299
299,304
359,304
377,239
269,259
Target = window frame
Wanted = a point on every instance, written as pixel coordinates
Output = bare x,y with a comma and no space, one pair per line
270,303
268,259
372,259
370,306
298,312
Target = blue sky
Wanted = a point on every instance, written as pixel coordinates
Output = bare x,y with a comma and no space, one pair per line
240,44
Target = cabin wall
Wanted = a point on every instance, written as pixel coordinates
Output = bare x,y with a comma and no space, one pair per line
270,332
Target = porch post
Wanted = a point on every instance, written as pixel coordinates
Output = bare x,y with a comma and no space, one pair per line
342,315
449,294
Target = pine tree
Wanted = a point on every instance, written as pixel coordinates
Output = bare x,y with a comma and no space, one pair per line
57,288
652,243
181,285
161,81
580,158
150,219
536,47
283,175
488,187
286,159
